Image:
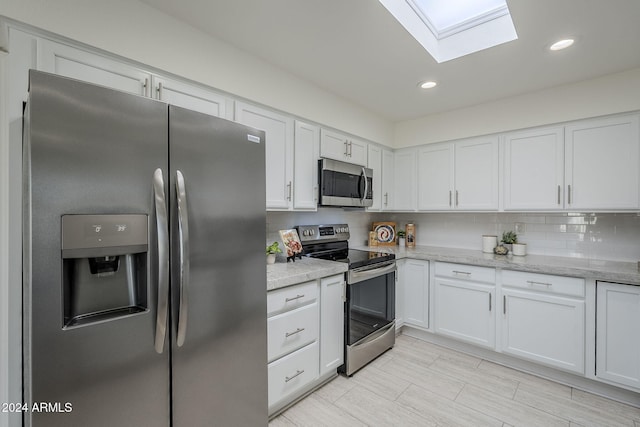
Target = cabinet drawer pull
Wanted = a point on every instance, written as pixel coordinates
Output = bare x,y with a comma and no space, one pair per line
531,282
466,273
294,298
297,331
298,372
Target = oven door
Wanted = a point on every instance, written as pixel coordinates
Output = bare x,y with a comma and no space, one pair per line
371,300
345,184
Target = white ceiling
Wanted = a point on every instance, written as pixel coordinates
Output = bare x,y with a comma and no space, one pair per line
355,49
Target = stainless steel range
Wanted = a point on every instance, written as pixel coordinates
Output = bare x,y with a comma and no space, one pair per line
369,315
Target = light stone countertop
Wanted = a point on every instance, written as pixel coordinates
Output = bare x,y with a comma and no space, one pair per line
612,271
283,274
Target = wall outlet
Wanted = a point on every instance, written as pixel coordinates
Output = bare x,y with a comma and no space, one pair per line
520,228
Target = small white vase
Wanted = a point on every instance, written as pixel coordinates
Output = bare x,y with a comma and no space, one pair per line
519,249
401,242
271,258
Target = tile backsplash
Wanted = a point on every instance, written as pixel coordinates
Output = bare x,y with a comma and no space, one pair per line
582,235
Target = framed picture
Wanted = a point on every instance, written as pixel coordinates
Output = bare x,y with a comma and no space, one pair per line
291,242
385,233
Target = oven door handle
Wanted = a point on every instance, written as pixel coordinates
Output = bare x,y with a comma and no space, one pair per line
361,274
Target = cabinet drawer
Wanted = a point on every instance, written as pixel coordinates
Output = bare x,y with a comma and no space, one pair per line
466,272
291,297
544,282
292,330
292,373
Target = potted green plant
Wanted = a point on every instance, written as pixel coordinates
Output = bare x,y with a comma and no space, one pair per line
401,238
271,251
509,238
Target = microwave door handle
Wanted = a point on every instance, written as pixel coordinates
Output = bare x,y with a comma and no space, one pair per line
366,185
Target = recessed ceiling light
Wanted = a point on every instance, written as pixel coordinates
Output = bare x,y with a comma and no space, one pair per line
561,44
428,85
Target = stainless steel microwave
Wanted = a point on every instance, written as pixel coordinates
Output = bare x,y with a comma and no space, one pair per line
344,184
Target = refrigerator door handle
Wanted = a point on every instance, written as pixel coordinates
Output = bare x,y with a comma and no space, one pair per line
183,233
162,226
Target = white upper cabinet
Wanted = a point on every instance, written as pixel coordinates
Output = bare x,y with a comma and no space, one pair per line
380,160
374,162
435,175
305,166
388,177
191,97
602,160
405,180
337,146
476,174
460,175
278,150
67,61
534,169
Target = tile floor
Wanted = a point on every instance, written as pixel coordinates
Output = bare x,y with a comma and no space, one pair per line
421,384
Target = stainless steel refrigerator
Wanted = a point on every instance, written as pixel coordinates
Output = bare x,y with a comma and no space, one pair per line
144,274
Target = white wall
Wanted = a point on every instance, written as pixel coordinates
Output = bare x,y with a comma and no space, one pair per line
136,31
610,94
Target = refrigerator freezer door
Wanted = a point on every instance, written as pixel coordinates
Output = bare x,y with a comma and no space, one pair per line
219,372
90,150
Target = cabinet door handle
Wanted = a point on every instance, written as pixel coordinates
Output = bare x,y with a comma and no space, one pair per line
289,185
315,193
159,90
466,273
449,197
386,199
145,86
350,148
569,193
346,148
531,282
558,195
504,304
294,298
298,372
489,302
456,198
297,331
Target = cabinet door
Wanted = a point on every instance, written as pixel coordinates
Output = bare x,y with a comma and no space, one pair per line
618,343
602,160
374,162
305,166
190,96
332,294
476,174
405,179
278,151
534,169
435,177
334,145
388,176
465,311
544,328
357,152
92,68
415,284
400,280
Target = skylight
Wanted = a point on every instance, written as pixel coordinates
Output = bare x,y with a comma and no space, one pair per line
449,29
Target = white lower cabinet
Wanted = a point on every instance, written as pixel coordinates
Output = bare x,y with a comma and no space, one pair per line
413,276
292,373
305,337
617,338
465,303
543,319
332,297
